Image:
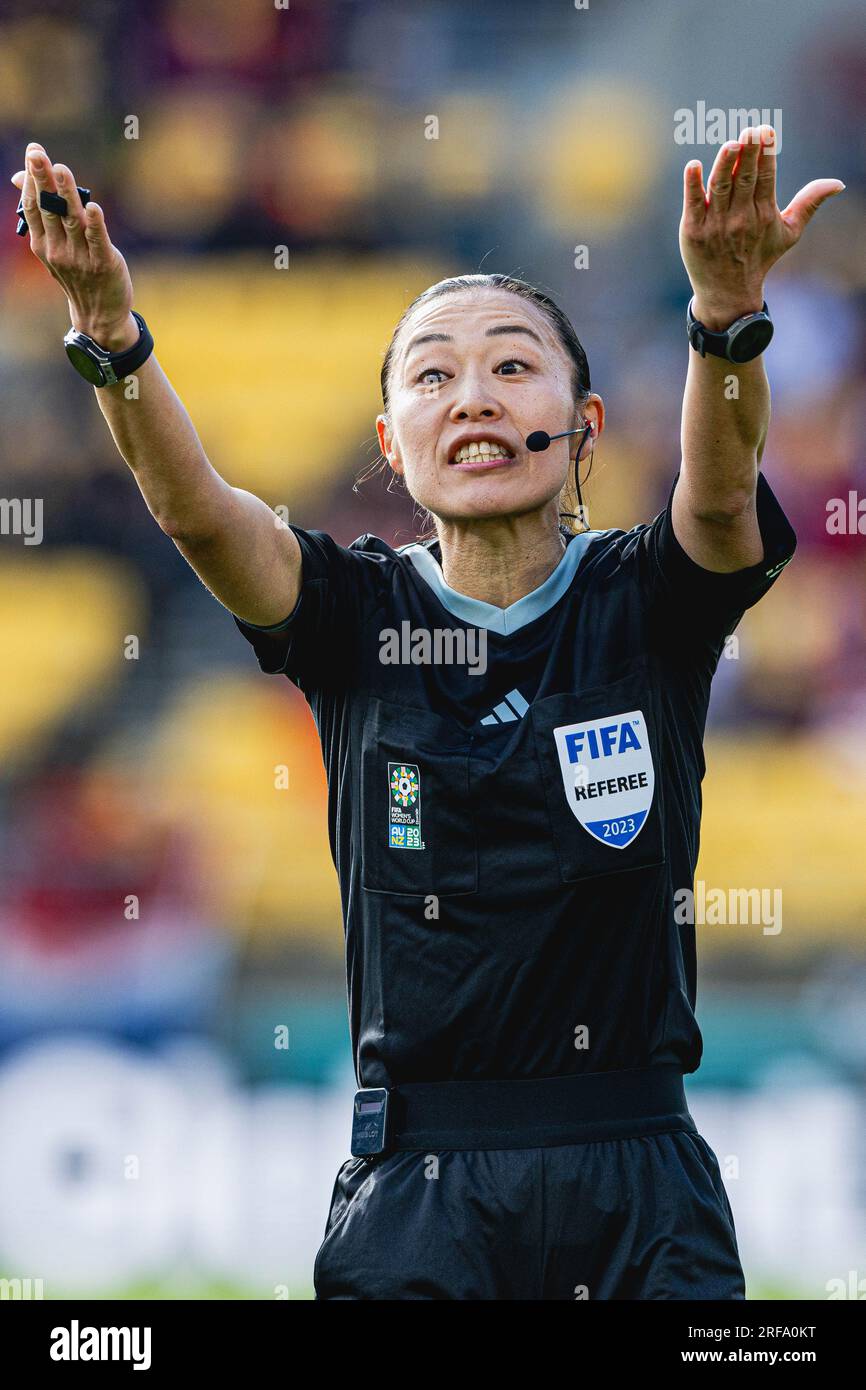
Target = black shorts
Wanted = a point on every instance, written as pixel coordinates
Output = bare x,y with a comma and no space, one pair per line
645,1217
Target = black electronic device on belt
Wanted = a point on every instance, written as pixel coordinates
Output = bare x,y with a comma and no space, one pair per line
370,1122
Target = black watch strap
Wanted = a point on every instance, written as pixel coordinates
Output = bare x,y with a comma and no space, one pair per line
100,366
743,340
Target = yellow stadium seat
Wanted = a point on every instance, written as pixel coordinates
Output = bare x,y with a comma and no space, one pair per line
279,369
64,618
238,758
786,813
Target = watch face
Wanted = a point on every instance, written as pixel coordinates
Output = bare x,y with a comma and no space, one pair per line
84,363
751,340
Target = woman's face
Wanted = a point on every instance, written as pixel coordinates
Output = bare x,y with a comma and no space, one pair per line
494,370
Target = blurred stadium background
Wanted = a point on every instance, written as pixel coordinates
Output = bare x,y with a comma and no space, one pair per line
175,1071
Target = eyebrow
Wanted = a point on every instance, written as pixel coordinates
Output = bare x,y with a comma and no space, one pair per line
498,330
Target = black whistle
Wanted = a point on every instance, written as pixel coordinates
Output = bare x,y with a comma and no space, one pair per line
51,202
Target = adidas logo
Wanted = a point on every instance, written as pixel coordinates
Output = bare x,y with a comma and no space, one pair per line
512,707
776,569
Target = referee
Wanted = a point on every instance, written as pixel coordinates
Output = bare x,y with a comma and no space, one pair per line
511,716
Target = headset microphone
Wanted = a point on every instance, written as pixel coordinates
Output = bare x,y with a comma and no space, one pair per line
540,439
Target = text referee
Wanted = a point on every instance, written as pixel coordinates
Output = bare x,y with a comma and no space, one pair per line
509,828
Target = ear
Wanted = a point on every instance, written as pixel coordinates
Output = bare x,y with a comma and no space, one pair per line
386,443
592,415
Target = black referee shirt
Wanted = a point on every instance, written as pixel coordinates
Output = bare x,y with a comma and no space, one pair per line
514,795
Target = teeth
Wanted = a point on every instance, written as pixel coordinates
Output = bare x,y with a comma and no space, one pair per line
483,449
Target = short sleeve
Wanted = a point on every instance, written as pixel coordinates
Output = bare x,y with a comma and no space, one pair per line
687,598
315,644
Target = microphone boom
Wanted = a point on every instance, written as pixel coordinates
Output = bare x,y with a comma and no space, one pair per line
540,440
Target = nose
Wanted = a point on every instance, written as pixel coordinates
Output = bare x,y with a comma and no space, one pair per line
475,402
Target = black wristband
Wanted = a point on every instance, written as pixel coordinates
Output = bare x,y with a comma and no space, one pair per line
745,339
101,367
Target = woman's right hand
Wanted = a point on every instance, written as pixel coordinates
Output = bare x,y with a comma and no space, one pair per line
78,252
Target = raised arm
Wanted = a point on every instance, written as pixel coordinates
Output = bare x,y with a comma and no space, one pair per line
730,235
240,549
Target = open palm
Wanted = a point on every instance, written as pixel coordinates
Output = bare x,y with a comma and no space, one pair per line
733,231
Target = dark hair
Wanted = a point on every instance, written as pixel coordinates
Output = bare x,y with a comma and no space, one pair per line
559,321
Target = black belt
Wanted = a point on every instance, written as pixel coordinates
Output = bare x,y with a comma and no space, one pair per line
434,1115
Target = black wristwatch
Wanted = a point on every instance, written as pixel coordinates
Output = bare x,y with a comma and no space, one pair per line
746,338
101,367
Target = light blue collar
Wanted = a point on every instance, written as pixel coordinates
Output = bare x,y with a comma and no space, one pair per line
503,620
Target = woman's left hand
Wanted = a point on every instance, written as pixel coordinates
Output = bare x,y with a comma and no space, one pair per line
732,233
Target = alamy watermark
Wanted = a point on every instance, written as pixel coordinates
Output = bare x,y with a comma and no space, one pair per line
77,1343
713,907
854,1286
21,1289
434,646
711,125
22,516
846,516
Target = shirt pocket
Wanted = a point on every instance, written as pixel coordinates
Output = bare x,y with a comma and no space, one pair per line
599,756
417,833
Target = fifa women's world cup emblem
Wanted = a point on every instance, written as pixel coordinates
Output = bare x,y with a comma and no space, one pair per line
404,806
